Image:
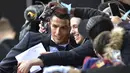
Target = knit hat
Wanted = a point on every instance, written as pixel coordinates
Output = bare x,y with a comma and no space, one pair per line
95,25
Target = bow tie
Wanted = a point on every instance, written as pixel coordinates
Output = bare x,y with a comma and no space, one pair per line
60,48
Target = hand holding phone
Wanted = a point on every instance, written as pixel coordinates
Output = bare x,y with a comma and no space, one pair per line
114,9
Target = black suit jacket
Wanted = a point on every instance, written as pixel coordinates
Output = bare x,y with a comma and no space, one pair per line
9,63
5,47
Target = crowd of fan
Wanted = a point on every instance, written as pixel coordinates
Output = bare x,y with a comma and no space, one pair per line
76,40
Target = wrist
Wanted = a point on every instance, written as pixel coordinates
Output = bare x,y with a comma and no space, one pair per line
31,63
36,62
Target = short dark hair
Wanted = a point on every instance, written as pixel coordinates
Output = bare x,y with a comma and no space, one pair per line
100,42
61,13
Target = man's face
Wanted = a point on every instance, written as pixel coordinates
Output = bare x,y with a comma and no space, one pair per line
60,30
74,22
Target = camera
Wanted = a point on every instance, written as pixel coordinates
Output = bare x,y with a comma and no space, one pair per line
33,12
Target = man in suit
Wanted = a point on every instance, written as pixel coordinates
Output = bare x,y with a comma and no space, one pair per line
57,41
78,54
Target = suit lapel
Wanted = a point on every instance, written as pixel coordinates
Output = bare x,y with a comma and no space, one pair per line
46,41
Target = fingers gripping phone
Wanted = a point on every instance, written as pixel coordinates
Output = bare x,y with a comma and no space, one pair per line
114,9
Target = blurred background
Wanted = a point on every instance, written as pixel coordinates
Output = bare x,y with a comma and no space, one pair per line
14,9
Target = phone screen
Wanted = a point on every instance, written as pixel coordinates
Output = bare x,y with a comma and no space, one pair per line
114,9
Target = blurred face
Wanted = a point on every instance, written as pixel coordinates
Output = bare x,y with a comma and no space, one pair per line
74,22
60,30
126,1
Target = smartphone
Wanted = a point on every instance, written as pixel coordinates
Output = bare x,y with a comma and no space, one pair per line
116,55
114,9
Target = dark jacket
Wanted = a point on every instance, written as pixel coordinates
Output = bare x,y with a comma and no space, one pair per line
73,57
76,56
123,6
86,13
114,69
125,49
5,47
9,63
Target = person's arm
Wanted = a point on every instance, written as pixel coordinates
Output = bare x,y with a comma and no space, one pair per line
74,57
86,13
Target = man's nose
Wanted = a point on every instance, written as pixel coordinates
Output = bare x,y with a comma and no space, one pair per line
71,31
58,31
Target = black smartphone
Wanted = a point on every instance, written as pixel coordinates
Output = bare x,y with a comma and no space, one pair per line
114,9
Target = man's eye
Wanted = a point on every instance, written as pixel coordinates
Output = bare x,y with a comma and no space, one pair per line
75,26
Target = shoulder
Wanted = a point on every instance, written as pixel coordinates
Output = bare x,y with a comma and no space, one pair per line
33,38
36,36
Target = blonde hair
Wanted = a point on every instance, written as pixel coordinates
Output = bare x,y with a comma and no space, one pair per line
116,40
108,41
